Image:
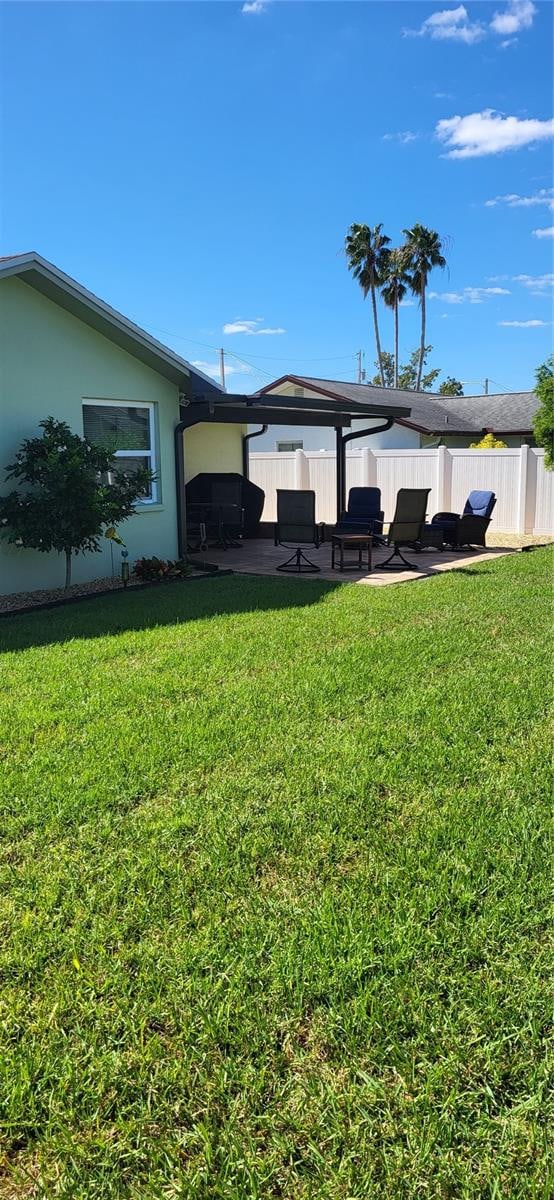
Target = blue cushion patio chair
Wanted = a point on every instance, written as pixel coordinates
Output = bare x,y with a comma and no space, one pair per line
363,512
470,528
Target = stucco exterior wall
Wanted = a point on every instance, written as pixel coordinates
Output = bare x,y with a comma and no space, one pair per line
213,448
323,438
50,362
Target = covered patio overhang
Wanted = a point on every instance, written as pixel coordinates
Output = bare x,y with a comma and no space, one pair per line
222,408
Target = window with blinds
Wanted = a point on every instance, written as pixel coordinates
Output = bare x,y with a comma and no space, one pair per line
127,430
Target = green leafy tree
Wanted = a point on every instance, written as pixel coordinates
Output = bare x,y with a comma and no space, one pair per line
543,420
367,254
422,253
407,375
67,499
451,387
393,290
488,442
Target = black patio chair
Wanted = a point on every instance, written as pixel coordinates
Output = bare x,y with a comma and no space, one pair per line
406,527
296,526
363,513
470,528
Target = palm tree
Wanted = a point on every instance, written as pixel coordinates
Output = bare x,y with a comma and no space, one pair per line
397,280
424,252
366,251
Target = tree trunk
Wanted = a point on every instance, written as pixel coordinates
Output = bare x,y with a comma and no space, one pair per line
422,344
396,342
67,568
377,339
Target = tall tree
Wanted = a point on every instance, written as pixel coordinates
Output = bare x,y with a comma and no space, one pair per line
407,374
366,252
424,253
451,387
396,283
543,420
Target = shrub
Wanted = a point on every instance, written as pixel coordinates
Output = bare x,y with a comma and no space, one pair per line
488,442
159,568
543,421
65,504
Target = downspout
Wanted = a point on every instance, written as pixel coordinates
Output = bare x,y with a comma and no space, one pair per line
180,486
341,449
245,447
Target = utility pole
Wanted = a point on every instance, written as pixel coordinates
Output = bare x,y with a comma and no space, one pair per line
486,387
222,367
361,372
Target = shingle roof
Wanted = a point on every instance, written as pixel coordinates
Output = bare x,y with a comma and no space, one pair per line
507,412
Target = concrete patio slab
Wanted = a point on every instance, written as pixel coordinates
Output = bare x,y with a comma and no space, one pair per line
260,557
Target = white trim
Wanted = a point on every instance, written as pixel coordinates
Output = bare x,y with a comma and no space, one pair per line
151,454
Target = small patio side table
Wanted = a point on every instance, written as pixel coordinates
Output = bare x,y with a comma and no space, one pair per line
362,542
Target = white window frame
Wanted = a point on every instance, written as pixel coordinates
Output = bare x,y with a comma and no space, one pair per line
150,454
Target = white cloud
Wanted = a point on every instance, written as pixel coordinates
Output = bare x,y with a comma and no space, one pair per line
407,304
251,7
404,137
512,200
450,24
538,285
212,369
447,297
473,295
517,16
523,324
548,232
251,328
488,132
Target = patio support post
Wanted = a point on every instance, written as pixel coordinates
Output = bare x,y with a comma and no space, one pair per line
341,473
340,470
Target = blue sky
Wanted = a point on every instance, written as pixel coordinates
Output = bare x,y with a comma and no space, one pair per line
197,165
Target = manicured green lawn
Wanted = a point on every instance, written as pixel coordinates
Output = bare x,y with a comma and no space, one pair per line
273,891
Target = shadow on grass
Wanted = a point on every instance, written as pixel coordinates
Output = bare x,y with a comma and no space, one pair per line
172,604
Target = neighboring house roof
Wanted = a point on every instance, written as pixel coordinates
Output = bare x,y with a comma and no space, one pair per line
508,412
65,291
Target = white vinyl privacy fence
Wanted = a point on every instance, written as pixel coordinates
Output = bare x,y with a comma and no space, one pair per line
524,489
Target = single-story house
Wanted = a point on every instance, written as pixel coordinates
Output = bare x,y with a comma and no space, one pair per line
453,421
67,354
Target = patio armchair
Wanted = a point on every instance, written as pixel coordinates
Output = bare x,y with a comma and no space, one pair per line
296,526
406,527
363,513
470,528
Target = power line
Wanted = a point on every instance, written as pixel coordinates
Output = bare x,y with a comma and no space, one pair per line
267,357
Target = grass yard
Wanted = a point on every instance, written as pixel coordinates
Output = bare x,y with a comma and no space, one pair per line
274,879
